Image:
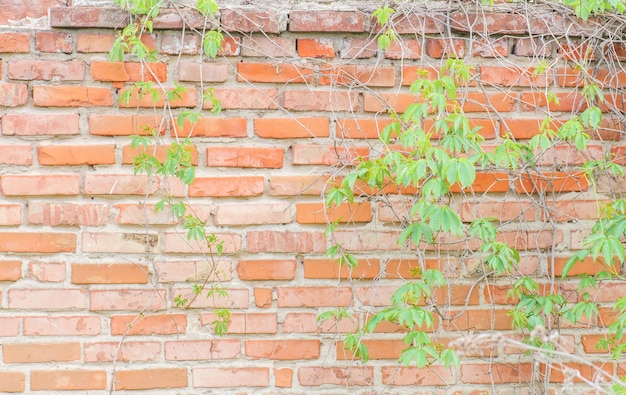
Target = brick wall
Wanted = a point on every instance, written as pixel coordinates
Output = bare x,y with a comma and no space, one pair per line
301,102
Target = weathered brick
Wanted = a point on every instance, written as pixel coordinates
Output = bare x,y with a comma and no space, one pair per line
47,70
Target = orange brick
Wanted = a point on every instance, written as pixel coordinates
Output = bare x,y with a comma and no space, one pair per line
282,350
283,128
316,48
266,72
318,213
14,42
10,270
37,242
71,96
313,376
119,273
266,269
40,352
331,269
556,181
202,350
122,125
130,325
245,322
59,155
151,378
12,381
212,127
314,296
244,157
187,98
230,377
130,351
68,380
128,71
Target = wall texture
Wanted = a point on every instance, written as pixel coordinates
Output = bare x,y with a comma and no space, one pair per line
304,93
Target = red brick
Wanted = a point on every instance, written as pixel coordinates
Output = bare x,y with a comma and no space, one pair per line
245,157
331,269
22,10
87,17
130,325
283,350
126,299
120,273
382,102
567,101
316,48
246,99
14,42
491,48
419,23
310,100
404,49
128,71
41,352
12,381
266,46
231,46
10,214
202,350
37,242
230,377
94,42
525,128
151,378
40,124
32,185
576,51
227,186
47,299
514,76
285,241
18,155
186,99
246,323
327,155
118,184
486,182
47,271
445,47
71,96
13,95
55,42
212,127
68,380
269,269
327,21
205,72
367,240
314,296
10,270
292,127
59,155
532,47
248,21
481,102
359,48
46,70
62,326
267,72
130,351
493,23
314,376
552,182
